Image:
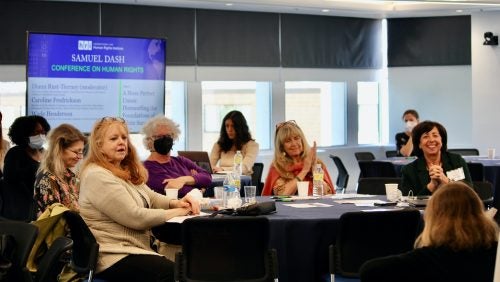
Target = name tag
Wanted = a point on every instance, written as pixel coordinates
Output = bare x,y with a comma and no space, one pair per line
456,174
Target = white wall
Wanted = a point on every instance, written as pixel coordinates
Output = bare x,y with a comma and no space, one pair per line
485,83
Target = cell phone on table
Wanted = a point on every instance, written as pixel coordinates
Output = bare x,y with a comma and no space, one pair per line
280,197
385,204
283,200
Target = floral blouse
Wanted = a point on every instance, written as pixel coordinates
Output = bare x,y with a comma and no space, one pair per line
50,189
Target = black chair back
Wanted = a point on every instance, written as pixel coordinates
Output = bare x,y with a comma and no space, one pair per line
465,151
258,169
226,249
391,154
476,171
343,175
24,235
364,156
485,191
53,260
85,247
376,169
362,236
375,185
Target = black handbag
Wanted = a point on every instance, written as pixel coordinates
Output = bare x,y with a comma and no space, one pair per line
257,209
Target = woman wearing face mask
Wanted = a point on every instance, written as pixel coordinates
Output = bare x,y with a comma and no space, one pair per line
164,170
21,164
404,144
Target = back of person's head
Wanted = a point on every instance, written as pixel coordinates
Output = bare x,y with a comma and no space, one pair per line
240,127
455,218
24,127
424,127
60,138
131,168
151,125
286,130
410,112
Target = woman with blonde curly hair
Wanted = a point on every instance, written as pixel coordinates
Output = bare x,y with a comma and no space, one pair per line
458,243
120,209
294,161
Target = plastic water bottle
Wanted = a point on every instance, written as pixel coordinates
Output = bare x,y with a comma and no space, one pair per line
237,169
231,195
318,181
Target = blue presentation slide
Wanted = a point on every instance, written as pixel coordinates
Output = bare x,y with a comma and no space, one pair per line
79,79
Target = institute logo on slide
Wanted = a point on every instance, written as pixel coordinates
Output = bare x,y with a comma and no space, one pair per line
85,45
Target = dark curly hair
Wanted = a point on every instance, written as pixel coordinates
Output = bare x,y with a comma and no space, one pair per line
425,127
23,127
242,132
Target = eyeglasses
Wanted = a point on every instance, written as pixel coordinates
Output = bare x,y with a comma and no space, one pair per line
288,122
77,153
155,137
112,119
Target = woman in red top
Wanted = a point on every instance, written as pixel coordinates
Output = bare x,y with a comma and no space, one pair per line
294,161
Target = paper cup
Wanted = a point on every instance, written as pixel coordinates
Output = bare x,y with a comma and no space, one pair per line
392,192
303,188
172,193
491,153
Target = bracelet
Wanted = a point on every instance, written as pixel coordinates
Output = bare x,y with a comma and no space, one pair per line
298,178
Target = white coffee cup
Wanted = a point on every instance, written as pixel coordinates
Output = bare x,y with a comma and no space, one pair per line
491,153
392,192
172,193
303,188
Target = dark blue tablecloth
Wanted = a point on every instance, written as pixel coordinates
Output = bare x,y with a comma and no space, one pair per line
301,237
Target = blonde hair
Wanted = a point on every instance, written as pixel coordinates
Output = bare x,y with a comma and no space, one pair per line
152,124
131,168
455,218
281,160
60,138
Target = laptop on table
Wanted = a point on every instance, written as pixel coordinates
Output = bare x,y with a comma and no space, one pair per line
200,158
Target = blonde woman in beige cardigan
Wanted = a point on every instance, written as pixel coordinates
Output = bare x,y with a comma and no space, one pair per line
120,209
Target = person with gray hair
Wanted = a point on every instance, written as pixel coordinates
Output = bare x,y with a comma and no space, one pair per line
166,171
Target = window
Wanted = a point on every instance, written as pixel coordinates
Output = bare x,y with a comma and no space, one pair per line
368,113
319,108
13,101
252,98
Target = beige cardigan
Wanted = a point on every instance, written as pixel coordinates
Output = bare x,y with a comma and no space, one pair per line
225,159
115,213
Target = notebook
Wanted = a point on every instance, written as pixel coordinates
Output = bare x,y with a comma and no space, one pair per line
420,201
198,157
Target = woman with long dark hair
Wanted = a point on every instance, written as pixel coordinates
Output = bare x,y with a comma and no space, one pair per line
234,136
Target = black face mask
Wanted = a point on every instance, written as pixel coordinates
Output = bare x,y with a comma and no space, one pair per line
163,145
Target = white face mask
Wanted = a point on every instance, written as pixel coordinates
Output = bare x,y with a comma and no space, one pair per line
410,125
37,141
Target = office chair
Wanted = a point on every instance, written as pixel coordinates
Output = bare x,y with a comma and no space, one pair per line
485,191
375,185
226,249
364,156
258,169
465,151
391,154
24,235
365,235
376,169
476,171
85,247
53,261
343,175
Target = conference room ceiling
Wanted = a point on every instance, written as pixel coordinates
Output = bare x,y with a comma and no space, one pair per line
348,8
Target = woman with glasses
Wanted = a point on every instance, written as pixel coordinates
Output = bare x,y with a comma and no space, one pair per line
234,136
120,209
164,170
21,164
294,160
458,243
55,181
